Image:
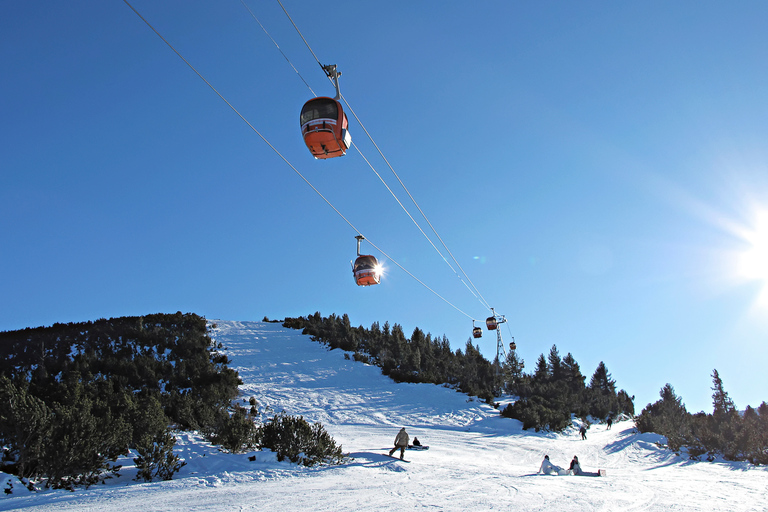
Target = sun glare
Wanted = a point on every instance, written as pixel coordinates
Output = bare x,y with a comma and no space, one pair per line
753,263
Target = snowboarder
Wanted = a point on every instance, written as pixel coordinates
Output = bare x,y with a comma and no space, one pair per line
416,441
401,441
610,422
548,468
583,432
575,466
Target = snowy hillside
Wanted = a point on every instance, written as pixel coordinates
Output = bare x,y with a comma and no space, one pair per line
476,461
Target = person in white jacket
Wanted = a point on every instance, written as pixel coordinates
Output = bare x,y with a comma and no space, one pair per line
401,441
548,468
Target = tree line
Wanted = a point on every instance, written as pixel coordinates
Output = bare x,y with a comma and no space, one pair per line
547,397
556,389
725,432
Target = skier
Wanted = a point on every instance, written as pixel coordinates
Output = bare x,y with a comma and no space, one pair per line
583,432
610,422
548,468
401,441
575,466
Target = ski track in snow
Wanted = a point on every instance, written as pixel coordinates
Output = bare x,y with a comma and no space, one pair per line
477,460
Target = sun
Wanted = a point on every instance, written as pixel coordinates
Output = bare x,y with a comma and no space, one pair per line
753,262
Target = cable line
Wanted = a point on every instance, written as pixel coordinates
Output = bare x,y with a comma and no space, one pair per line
240,115
485,303
476,292
283,157
300,35
478,295
278,47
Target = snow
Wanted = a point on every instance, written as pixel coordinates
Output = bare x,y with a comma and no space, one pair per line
477,460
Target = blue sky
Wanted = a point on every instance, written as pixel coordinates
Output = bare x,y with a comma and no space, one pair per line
598,169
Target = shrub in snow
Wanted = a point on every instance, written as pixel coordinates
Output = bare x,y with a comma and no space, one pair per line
292,437
156,458
236,432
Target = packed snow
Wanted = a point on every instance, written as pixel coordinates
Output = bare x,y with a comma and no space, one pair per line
477,460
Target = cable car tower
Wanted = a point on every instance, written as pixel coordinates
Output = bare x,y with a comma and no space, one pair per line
492,323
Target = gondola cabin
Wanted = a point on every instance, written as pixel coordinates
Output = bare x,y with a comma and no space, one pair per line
324,128
366,270
513,346
477,332
491,323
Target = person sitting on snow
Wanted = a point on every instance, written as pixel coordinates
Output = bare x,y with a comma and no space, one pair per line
548,468
416,441
575,466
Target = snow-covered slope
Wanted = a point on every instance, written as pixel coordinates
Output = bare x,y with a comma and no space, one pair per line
476,461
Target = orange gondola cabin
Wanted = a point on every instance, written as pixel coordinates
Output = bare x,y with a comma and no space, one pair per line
324,128
366,268
324,123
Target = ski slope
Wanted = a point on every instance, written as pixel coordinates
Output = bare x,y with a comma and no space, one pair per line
477,460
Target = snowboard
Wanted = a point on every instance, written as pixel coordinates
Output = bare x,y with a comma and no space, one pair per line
396,457
420,447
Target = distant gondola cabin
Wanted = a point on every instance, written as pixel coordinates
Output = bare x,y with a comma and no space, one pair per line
477,332
366,270
324,128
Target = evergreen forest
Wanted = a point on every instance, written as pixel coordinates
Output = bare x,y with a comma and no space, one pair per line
74,397
726,432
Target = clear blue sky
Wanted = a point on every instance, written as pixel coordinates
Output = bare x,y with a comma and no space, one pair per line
599,170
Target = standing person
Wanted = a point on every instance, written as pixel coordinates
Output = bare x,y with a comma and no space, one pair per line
401,441
610,422
575,466
583,432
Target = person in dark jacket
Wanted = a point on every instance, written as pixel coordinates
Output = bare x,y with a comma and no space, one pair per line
575,466
583,432
401,441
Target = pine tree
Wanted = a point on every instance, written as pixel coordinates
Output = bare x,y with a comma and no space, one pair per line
541,374
602,393
726,420
513,371
723,405
555,364
674,417
25,426
601,380
574,383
